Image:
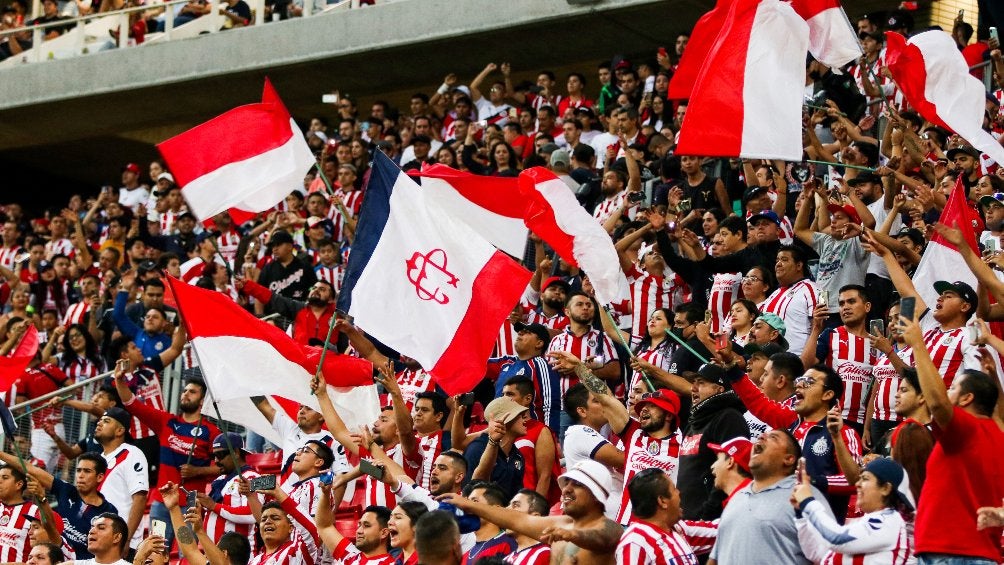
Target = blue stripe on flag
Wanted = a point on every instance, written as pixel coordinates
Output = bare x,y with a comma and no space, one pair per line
375,211
7,420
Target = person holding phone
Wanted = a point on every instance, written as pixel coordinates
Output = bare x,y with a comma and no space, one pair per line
880,535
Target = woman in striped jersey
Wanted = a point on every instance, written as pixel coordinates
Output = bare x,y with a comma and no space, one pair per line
880,537
649,351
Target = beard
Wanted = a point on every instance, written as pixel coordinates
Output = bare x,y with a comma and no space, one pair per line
554,303
655,424
316,301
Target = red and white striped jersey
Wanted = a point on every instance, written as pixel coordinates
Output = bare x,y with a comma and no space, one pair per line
887,381
307,493
429,447
794,304
145,385
852,357
352,200
80,368
951,352
378,493
232,512
593,343
167,220
650,292
644,543
556,322
8,254
644,452
62,246
872,70
14,542
227,243
76,313
293,552
505,343
658,356
330,275
350,555
609,207
537,554
413,381
724,292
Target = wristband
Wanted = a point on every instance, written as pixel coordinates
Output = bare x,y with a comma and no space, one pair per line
495,442
443,88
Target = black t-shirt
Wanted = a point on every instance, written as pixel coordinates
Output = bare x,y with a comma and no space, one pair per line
702,194
292,281
241,9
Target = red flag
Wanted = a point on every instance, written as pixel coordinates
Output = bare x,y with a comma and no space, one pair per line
935,79
747,99
12,366
249,158
832,40
702,39
242,356
941,259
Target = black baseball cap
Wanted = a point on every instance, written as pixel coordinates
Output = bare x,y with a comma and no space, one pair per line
538,330
281,237
964,291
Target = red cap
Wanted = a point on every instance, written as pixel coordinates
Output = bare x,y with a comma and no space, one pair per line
57,519
739,449
131,167
662,398
555,280
847,209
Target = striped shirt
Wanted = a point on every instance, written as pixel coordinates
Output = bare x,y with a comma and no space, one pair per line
8,254
330,275
644,543
168,219
650,292
227,244
724,292
537,554
794,304
233,511
413,381
352,199
644,452
145,385
556,322
14,524
350,555
379,493
76,313
505,343
852,357
609,207
429,447
593,343
887,380
658,356
307,493
80,368
951,352
62,246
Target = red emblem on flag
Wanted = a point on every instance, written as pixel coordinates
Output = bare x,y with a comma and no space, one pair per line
429,275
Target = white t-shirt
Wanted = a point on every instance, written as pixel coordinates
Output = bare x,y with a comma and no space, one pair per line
294,438
581,443
600,144
408,155
487,111
126,476
876,266
133,198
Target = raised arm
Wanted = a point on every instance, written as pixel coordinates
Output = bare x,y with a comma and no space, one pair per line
931,383
475,85
43,478
331,418
361,343
533,526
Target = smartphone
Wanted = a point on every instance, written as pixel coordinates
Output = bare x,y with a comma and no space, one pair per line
824,297
994,36
190,498
907,306
663,52
686,205
329,99
721,340
368,468
636,197
466,399
671,226
707,316
158,528
876,327
264,482
326,478
973,333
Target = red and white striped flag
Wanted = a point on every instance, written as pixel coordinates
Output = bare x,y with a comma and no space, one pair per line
935,79
249,158
556,216
832,40
941,260
747,99
490,205
702,39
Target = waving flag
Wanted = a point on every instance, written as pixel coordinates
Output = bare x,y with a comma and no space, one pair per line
702,39
12,366
747,99
935,79
832,40
242,356
247,159
557,217
425,283
941,260
491,206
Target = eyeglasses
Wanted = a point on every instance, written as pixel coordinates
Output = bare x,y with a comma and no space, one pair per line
306,449
804,382
752,279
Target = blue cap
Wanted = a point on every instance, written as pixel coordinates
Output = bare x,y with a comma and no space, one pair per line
764,215
888,471
236,442
467,523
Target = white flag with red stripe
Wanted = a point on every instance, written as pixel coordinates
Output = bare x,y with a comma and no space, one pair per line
935,80
489,205
242,356
747,99
556,216
832,40
249,158
941,260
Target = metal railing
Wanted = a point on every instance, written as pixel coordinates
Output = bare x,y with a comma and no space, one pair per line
95,27
988,74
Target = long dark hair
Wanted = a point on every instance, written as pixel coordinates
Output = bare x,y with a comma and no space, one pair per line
646,340
91,353
39,290
512,163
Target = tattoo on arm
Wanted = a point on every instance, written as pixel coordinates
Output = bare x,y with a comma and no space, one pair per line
185,535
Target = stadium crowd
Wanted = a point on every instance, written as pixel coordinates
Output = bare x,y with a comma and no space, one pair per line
773,390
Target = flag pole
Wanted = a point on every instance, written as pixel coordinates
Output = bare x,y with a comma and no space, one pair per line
11,432
858,167
686,346
324,350
620,337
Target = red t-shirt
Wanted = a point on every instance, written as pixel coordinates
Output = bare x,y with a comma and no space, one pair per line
964,472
